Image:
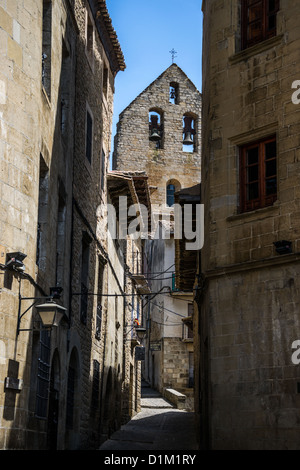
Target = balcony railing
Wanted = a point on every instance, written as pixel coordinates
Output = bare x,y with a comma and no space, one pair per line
140,269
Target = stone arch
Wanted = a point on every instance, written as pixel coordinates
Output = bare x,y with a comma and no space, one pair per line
189,125
156,127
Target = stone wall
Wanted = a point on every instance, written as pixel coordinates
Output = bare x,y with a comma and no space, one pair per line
31,134
51,198
249,307
175,369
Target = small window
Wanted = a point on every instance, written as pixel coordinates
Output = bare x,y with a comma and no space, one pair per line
89,136
171,188
187,330
258,174
170,195
174,89
258,21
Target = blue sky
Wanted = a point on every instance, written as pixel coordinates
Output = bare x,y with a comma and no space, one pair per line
147,31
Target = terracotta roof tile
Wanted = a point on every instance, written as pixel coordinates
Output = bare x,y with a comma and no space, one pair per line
102,8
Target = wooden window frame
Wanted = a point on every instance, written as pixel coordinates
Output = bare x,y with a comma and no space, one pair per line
266,32
263,199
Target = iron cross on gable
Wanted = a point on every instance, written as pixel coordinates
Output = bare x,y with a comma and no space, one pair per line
173,53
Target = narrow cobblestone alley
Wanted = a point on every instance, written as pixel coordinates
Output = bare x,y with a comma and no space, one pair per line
159,426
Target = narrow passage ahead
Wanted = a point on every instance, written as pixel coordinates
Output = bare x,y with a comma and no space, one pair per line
159,426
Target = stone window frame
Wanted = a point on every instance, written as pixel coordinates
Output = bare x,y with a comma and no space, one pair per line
266,32
238,53
263,199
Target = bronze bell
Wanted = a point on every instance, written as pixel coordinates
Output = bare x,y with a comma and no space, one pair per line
154,128
154,135
188,138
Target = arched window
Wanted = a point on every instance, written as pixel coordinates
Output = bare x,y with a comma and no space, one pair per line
156,128
171,188
170,195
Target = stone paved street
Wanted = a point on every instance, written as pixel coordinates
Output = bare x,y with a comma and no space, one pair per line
159,426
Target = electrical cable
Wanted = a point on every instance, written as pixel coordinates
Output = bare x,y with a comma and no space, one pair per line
167,310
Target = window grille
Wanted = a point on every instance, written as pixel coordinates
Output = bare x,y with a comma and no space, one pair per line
43,378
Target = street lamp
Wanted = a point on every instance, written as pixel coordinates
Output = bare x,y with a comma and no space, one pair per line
50,312
141,332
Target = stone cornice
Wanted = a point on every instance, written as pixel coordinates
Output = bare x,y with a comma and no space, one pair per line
253,265
256,49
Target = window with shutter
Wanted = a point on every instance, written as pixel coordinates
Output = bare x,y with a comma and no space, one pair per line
258,21
258,174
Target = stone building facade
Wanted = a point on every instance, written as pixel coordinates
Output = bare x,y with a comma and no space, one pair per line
58,64
149,138
133,186
248,289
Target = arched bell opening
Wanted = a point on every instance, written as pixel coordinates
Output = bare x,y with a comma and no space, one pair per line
189,133
156,128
